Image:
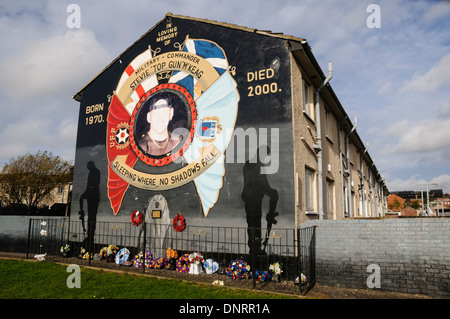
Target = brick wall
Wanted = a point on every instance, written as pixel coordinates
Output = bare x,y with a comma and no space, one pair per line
413,254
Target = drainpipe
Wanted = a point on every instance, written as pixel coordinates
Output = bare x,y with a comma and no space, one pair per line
318,146
342,170
362,182
349,177
372,206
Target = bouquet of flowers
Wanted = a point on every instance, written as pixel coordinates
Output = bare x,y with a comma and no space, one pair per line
210,266
275,268
196,258
141,259
171,253
238,269
65,250
84,254
195,263
303,280
261,276
172,256
112,250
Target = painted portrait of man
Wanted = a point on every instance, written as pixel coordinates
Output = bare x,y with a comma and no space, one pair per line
160,119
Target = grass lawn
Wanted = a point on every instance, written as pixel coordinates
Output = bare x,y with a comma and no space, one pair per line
21,279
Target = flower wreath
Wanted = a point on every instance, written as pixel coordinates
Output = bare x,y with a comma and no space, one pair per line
151,264
142,259
161,262
179,223
261,276
122,256
238,269
136,218
211,266
183,263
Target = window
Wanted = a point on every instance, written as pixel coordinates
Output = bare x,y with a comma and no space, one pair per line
309,188
330,198
308,107
345,201
327,123
60,189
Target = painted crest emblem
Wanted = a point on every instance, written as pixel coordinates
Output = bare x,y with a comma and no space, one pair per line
158,124
121,136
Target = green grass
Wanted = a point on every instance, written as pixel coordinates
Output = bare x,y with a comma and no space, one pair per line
21,279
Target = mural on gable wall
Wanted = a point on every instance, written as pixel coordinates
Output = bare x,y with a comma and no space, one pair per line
197,115
190,118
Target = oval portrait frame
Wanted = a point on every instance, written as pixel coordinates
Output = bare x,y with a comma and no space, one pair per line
171,156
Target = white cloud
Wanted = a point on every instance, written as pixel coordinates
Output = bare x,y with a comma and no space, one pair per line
416,182
436,77
424,136
439,10
29,134
412,146
386,88
49,66
416,143
43,63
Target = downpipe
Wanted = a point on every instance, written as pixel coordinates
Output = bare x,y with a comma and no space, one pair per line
349,177
318,146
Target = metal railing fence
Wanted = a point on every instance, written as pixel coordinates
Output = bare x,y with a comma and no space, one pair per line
281,260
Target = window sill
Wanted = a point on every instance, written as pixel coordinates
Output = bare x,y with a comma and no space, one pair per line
329,139
311,213
309,117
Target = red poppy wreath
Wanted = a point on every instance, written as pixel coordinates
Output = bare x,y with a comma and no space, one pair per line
179,223
136,218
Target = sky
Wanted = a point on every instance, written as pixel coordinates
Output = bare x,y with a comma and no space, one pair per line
391,69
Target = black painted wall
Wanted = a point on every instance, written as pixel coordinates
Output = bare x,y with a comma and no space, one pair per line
260,67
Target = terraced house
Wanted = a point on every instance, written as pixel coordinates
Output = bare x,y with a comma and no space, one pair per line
225,125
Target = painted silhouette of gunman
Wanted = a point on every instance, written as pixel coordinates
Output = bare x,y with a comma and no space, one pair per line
256,186
92,196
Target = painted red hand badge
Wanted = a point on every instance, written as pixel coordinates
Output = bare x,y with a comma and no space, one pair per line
118,144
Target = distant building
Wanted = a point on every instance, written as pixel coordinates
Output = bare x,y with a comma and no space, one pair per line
395,203
432,193
408,211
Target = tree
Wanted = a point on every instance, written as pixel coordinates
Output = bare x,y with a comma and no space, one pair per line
415,204
30,179
395,205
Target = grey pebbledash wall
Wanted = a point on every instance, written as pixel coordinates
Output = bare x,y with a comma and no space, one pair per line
14,232
413,254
